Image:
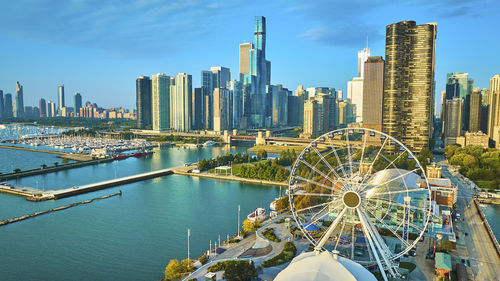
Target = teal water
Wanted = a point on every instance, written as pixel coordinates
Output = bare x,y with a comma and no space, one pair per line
131,237
492,213
11,159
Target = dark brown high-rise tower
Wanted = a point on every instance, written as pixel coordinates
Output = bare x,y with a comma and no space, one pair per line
408,100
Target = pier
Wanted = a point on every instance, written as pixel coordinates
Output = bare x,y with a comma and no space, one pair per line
31,149
230,178
21,218
487,227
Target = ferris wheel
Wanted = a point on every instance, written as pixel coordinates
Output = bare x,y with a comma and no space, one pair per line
361,193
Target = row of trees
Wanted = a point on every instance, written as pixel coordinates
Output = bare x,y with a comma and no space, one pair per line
207,164
482,165
264,170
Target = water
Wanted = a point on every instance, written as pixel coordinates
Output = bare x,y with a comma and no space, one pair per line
492,213
25,160
131,237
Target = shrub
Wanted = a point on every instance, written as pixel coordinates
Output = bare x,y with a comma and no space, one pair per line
270,235
289,251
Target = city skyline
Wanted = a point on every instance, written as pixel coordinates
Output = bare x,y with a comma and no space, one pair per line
290,30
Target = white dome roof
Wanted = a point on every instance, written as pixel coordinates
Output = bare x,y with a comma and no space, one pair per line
412,179
324,266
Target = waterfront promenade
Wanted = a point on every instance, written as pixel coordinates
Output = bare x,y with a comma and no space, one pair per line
473,236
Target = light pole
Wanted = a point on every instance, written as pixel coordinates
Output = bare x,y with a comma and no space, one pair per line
238,221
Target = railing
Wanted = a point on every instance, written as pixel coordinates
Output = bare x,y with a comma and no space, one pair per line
488,227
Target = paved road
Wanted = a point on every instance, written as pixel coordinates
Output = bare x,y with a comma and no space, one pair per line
483,257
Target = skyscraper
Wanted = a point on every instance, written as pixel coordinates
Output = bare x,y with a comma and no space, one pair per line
77,103
19,101
143,99
494,112
245,58
222,112
197,109
43,108
160,102
257,78
221,76
473,108
373,90
355,95
1,104
453,120
409,83
458,84
362,57
181,103
237,93
60,97
279,105
8,108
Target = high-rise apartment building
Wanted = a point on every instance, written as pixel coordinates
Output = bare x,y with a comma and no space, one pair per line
222,109
19,101
8,109
51,109
143,100
473,108
181,103
319,115
77,103
43,108
160,102
221,76
373,90
245,58
279,105
1,104
458,84
60,97
408,99
494,110
453,120
310,118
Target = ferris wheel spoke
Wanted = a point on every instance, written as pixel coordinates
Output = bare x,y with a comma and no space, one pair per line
391,180
389,228
329,232
349,152
317,171
362,154
390,202
315,182
326,162
337,156
322,215
353,227
393,161
315,206
401,191
375,159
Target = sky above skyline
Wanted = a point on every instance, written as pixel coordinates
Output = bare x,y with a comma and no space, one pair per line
99,48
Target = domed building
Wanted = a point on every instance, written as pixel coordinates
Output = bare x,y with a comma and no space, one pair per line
319,266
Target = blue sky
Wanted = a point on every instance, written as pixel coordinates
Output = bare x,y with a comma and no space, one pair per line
99,48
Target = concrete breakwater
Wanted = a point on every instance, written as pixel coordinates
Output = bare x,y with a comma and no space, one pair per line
13,220
30,149
230,178
39,171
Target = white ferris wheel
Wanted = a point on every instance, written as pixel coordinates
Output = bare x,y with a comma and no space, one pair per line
361,193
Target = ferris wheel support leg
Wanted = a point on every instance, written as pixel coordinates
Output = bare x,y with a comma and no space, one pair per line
382,246
329,232
370,241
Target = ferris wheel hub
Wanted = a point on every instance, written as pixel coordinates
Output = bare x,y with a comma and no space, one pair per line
351,199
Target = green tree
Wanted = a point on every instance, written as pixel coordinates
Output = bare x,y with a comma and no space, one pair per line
173,270
469,161
240,271
187,265
249,226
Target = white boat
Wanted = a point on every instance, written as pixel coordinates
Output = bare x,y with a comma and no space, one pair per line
209,143
258,214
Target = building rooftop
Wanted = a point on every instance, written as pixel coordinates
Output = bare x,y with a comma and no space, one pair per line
443,261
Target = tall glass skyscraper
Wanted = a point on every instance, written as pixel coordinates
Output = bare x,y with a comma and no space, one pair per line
77,103
408,100
181,103
60,97
258,76
160,102
7,106
19,101
43,108
143,99
1,104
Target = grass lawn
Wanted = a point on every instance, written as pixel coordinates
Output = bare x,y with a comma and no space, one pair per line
408,265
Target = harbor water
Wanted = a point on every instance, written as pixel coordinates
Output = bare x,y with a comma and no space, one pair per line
131,237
